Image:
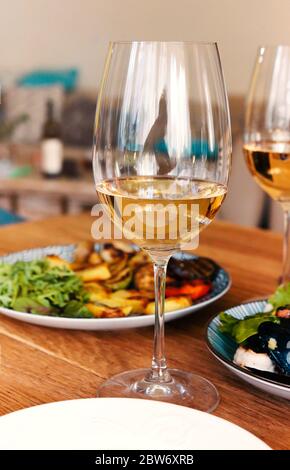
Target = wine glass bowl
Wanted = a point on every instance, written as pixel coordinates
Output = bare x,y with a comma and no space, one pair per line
161,162
267,132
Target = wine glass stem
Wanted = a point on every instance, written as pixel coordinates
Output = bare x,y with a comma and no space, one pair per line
286,248
159,370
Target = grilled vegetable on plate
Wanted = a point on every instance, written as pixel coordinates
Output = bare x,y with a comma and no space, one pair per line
77,286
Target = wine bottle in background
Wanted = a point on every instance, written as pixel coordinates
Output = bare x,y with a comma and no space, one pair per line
51,145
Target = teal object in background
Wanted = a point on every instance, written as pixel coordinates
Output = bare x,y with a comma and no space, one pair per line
8,218
66,78
198,148
20,171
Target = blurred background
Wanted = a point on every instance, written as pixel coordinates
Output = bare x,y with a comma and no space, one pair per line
51,61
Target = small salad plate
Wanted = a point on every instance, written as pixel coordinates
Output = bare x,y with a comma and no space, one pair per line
120,424
254,348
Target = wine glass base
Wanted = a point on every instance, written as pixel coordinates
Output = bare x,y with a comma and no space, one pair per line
184,388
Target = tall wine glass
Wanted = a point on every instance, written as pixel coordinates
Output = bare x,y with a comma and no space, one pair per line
162,151
267,132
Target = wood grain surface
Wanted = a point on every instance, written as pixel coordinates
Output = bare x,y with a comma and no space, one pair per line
40,365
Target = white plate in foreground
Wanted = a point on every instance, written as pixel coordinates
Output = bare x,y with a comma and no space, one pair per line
221,285
120,423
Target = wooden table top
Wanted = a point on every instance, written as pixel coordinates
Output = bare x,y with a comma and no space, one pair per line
40,365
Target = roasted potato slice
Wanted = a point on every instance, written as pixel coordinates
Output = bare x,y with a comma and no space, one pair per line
137,305
101,296
96,291
127,294
94,258
95,287
78,266
83,251
100,311
117,312
171,304
142,298
150,295
100,272
55,260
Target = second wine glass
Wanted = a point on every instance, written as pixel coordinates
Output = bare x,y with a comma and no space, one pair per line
267,132
161,164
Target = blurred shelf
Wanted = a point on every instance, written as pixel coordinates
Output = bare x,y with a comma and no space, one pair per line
64,190
28,151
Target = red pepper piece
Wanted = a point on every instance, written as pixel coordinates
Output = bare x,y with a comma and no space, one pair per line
196,292
195,289
173,291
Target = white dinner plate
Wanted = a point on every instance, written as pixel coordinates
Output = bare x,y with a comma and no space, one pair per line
121,424
221,285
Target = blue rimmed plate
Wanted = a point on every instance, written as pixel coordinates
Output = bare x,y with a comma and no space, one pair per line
221,284
223,348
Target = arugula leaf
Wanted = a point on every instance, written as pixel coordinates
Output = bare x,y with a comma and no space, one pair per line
281,296
38,287
25,304
240,330
75,309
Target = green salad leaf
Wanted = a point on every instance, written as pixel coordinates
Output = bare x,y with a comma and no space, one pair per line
281,296
37,287
25,304
75,309
240,330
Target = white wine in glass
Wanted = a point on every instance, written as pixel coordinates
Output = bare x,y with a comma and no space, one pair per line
171,199
267,132
269,163
162,152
